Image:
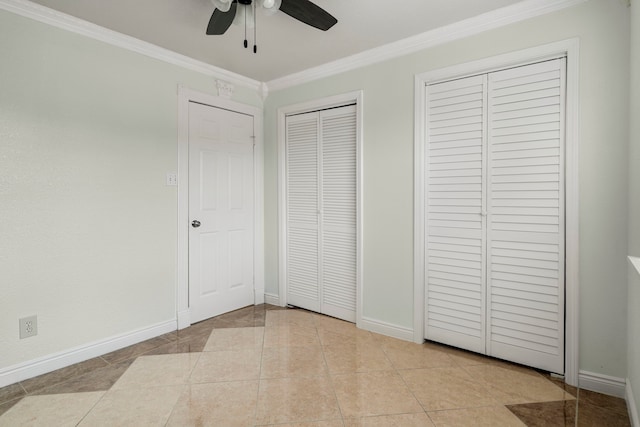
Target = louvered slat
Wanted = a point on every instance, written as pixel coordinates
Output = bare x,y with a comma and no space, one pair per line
338,207
454,180
302,210
525,223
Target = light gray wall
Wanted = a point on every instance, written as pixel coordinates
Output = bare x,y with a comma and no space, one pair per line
603,29
633,350
87,226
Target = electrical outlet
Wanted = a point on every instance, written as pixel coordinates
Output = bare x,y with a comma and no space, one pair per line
28,326
172,179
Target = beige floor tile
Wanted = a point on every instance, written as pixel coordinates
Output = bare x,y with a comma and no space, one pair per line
277,318
217,404
513,385
446,388
50,410
373,393
335,325
11,392
402,420
290,336
289,362
235,339
137,407
60,375
217,366
467,358
329,423
154,371
354,337
290,400
387,341
489,416
408,355
351,358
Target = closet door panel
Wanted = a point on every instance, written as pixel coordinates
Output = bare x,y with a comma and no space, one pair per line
525,223
303,246
455,267
338,207
321,174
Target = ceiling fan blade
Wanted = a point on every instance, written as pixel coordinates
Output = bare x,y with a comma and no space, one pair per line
221,21
309,13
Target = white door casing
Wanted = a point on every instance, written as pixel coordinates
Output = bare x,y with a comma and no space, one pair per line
185,98
568,48
220,211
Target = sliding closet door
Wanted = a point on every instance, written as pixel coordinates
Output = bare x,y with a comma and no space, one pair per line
303,211
321,174
455,245
525,235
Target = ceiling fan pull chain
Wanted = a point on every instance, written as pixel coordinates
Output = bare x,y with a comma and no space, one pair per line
244,8
255,29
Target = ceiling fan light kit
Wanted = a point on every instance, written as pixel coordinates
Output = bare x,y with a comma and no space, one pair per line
226,12
270,7
223,5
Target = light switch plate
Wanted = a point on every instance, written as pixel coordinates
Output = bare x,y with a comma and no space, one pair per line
172,179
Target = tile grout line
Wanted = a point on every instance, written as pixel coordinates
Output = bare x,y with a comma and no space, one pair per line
326,365
577,413
255,412
413,394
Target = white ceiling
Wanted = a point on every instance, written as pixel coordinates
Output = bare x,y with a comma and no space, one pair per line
285,46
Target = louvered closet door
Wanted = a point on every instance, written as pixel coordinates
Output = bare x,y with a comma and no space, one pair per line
321,178
303,211
455,276
525,235
338,212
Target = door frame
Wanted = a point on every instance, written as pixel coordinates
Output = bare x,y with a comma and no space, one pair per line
570,49
305,107
186,95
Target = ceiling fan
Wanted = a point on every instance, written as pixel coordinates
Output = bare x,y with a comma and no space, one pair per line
303,10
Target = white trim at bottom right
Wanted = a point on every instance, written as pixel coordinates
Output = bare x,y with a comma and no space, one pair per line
605,384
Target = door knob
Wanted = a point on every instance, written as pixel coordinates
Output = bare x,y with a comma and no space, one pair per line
195,223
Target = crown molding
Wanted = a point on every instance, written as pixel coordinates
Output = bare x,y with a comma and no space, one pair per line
487,21
635,261
79,26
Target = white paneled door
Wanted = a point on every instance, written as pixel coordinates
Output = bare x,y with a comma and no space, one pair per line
321,171
220,211
495,214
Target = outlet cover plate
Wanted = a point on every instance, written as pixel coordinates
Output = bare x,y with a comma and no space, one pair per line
28,326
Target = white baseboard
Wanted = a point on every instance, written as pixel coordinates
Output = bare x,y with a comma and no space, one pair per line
259,298
184,319
43,365
387,329
271,299
631,406
605,384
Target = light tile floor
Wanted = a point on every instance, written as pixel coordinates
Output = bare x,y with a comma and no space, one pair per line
267,366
